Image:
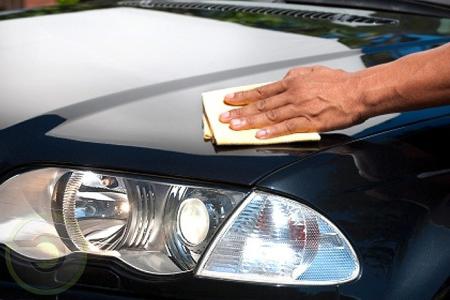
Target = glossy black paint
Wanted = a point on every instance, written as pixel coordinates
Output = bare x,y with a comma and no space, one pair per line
27,144
412,7
390,194
386,188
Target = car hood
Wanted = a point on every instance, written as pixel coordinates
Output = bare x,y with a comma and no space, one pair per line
127,82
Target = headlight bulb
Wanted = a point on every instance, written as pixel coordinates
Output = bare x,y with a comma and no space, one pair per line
193,221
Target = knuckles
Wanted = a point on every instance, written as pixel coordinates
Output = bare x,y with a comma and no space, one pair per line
261,105
271,115
240,96
291,73
290,126
284,84
315,98
260,92
236,113
249,122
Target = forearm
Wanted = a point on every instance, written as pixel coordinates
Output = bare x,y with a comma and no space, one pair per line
323,99
416,81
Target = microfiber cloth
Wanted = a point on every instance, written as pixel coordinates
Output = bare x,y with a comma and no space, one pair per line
221,134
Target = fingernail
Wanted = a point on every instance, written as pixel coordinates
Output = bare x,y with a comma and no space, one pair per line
236,122
229,96
262,134
225,115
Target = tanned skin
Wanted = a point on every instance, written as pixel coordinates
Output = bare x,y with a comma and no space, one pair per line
310,99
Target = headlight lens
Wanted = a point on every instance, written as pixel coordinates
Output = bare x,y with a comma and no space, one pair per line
273,239
152,225
193,221
161,227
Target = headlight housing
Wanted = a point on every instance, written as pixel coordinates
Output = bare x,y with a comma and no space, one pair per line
143,222
164,227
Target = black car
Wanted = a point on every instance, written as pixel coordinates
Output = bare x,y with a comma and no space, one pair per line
108,189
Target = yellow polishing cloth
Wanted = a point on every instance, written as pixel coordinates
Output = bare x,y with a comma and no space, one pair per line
221,134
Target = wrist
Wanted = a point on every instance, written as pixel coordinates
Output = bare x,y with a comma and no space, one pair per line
376,90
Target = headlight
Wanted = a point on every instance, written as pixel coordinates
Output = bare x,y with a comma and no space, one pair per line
273,239
155,226
193,221
161,227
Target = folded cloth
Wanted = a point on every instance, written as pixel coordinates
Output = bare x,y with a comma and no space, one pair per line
221,134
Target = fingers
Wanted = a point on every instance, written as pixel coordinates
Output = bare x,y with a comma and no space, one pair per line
262,92
260,120
295,125
257,107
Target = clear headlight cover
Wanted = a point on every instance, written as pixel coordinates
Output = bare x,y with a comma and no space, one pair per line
155,226
276,240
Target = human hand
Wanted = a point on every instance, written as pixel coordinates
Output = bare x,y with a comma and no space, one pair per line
307,99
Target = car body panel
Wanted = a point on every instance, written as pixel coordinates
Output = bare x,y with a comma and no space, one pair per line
390,195
119,89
